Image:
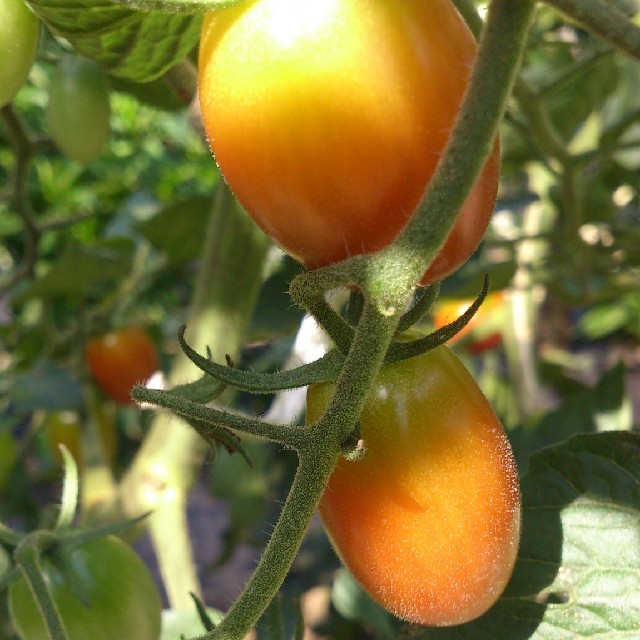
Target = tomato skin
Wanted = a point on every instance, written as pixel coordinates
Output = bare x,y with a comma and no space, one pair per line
78,110
429,520
120,359
327,122
483,332
124,601
19,36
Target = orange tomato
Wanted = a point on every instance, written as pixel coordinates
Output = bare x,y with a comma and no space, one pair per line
327,120
429,520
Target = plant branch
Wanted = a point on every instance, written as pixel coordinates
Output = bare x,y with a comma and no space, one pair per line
605,20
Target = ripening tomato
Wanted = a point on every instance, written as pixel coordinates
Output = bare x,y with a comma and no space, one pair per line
115,596
327,119
78,110
120,359
19,35
429,520
484,331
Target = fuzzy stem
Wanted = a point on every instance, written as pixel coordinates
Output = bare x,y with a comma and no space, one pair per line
605,20
27,557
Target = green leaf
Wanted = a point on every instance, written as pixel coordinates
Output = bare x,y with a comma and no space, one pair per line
130,44
179,6
46,386
604,407
82,269
178,230
578,569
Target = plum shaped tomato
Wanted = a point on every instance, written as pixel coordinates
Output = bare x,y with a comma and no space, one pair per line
120,359
78,110
429,520
118,598
19,35
327,119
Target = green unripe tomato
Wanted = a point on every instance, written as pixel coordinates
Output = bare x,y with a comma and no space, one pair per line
19,35
78,110
118,598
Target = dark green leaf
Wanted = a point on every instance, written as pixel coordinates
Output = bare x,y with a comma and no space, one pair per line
136,45
83,268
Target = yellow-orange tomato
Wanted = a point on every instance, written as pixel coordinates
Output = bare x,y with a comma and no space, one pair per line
429,520
327,119
120,359
483,332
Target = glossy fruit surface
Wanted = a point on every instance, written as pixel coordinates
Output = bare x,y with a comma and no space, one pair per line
428,521
120,359
484,331
19,35
327,120
119,597
78,110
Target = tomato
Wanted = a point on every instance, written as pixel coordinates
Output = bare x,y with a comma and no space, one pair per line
120,359
484,331
65,427
8,457
429,520
327,120
78,110
19,35
120,599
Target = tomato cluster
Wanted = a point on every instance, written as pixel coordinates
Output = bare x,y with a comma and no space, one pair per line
327,120
429,520
120,359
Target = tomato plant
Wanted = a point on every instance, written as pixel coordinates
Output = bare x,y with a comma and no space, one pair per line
429,520
327,120
120,359
483,332
19,35
102,589
78,110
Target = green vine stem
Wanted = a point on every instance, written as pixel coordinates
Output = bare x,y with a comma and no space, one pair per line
27,557
317,452
605,20
166,465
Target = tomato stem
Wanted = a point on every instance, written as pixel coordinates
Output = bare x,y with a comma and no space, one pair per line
27,557
605,20
499,54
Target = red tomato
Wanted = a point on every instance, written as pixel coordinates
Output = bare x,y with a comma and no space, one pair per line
483,332
429,520
121,359
327,120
